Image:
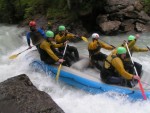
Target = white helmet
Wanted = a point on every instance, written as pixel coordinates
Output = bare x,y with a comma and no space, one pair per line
95,35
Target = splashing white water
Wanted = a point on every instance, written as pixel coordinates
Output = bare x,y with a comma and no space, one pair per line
70,99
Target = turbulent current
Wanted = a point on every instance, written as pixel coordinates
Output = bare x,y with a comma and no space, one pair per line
70,99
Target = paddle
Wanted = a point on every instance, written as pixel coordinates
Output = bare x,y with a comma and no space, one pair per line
140,84
107,43
59,68
82,37
15,55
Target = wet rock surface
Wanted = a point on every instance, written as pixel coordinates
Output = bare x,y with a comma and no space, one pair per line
19,95
118,16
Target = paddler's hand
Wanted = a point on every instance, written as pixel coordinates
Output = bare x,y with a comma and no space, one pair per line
66,42
136,77
137,36
61,60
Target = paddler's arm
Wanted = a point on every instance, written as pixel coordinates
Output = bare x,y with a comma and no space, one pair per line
106,46
137,49
118,65
28,38
59,39
69,36
131,44
46,46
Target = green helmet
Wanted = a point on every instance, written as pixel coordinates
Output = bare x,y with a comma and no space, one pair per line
61,28
131,37
121,50
49,34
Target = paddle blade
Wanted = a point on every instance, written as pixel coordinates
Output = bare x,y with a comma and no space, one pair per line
84,39
142,90
58,72
13,56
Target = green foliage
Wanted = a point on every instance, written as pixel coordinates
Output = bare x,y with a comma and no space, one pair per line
36,6
56,13
13,11
147,6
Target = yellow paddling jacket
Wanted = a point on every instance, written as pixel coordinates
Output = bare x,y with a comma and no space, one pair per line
47,49
135,48
64,37
95,46
114,63
130,45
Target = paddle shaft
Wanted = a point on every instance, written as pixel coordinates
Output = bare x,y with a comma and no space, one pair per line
23,51
59,68
32,46
65,50
14,56
140,84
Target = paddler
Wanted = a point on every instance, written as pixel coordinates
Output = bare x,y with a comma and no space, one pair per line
36,35
133,48
49,54
63,36
113,71
94,48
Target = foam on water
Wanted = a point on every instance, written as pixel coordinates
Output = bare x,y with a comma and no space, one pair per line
70,99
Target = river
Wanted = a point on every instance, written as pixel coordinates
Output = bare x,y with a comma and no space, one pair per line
70,99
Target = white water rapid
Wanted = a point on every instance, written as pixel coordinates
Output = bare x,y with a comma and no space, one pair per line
70,99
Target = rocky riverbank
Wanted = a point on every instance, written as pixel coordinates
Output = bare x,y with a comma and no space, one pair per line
108,17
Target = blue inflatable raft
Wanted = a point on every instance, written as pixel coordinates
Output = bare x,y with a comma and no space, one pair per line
79,76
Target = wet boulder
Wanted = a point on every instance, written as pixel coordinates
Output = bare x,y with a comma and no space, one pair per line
118,16
140,27
19,95
110,27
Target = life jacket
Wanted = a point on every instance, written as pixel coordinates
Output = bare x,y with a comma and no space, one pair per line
108,64
36,37
44,55
60,38
94,48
